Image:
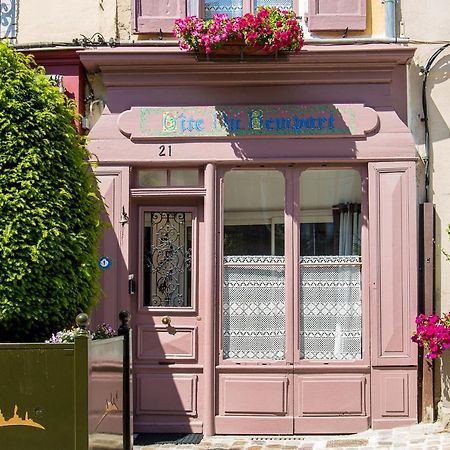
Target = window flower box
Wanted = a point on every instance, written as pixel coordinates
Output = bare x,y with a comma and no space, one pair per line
268,31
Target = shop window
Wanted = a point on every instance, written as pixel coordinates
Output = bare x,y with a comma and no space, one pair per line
254,272
330,266
167,259
153,178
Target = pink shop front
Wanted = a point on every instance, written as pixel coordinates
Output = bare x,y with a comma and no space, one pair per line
263,237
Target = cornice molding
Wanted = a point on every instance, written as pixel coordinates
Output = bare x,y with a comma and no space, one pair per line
150,66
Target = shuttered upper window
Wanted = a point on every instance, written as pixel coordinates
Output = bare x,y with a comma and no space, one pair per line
328,15
153,16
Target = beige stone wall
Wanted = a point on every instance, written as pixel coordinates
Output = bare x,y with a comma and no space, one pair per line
62,21
428,23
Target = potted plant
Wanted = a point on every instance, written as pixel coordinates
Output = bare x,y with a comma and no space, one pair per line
268,31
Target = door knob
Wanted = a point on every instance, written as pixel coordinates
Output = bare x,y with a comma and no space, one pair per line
166,320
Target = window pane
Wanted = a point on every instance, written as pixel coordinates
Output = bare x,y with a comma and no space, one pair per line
152,178
281,4
231,7
184,177
330,265
253,291
167,259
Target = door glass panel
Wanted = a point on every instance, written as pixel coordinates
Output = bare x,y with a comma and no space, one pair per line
254,286
167,259
330,265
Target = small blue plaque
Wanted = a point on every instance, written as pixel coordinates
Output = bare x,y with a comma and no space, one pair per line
104,262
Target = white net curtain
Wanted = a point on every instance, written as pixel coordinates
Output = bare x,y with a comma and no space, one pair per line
329,272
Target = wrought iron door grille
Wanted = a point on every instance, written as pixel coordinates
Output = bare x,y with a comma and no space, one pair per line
8,19
167,259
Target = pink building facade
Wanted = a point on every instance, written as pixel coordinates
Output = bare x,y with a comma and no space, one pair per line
263,235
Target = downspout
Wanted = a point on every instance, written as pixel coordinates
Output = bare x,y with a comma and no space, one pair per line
390,19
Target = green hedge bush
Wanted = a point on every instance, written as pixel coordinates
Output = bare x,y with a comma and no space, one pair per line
49,206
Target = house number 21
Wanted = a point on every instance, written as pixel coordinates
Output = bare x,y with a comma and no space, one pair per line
165,150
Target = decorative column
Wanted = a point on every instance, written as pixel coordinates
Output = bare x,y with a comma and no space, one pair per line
209,300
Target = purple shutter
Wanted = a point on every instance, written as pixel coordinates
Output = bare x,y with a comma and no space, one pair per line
326,15
150,16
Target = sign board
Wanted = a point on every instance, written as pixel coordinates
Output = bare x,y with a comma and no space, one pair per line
248,121
104,262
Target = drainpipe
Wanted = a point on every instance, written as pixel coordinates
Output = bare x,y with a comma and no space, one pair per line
424,71
390,18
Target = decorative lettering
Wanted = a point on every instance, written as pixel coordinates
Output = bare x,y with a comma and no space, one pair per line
235,122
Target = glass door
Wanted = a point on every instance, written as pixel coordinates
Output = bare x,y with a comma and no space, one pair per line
331,378
292,304
254,266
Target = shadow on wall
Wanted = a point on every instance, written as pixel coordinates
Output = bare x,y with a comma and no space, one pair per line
438,123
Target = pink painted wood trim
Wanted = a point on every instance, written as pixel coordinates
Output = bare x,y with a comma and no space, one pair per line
291,256
330,425
253,425
120,204
171,66
365,258
208,297
393,262
167,192
190,354
394,396
326,15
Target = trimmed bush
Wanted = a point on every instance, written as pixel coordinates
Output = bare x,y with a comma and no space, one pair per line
49,206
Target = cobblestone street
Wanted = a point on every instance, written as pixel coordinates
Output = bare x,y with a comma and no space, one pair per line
418,437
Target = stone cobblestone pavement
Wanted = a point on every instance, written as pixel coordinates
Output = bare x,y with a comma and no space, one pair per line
416,437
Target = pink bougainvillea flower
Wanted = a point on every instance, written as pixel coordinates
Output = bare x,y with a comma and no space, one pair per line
432,334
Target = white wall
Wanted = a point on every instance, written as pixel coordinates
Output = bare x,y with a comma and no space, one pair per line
63,20
429,22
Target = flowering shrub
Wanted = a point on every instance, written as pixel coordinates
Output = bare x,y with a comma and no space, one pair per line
103,331
433,334
63,337
270,29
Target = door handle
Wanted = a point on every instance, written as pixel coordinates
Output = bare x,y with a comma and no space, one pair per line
166,320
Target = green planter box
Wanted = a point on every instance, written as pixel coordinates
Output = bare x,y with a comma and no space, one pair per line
65,396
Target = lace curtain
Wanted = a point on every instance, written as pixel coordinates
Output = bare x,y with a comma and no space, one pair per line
254,309
330,309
